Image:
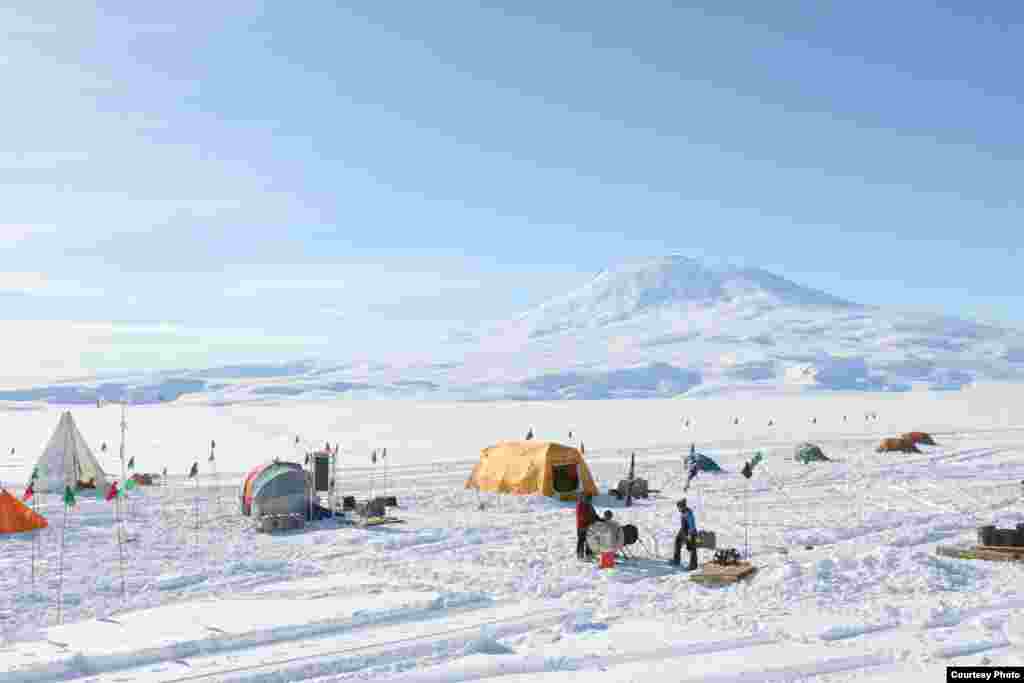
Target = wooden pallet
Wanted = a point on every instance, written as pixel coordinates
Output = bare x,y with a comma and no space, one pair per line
993,553
718,574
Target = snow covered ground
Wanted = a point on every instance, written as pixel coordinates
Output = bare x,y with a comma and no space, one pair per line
474,588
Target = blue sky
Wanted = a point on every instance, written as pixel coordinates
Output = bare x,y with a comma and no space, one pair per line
218,182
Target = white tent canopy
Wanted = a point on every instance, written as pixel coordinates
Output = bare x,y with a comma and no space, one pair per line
68,460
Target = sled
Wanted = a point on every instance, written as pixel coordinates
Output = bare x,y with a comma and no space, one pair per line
712,573
377,521
983,552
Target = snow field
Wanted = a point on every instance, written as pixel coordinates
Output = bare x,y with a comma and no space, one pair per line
478,586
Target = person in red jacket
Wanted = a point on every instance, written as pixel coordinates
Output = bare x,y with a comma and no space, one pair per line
585,516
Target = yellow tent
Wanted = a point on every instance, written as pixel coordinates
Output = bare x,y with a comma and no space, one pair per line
532,467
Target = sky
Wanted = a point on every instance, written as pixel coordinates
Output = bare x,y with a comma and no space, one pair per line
188,184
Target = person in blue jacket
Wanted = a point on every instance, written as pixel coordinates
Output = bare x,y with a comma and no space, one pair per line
687,535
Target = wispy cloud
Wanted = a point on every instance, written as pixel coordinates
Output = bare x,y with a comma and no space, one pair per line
12,234
39,284
372,284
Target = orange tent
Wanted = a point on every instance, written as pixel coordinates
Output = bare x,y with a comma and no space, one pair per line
897,445
15,516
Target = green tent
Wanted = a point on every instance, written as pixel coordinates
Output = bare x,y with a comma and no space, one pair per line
808,453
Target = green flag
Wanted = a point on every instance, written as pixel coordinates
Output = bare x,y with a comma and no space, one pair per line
69,496
757,458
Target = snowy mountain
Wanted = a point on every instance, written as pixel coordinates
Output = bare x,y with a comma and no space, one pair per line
658,328
675,283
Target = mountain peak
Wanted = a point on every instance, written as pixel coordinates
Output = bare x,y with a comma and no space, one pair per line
673,282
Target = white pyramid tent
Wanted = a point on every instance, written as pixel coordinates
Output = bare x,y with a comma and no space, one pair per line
68,460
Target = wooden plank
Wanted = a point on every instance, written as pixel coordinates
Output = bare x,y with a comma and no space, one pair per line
723,573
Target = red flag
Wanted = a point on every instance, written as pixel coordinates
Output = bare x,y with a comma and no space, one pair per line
29,492
112,493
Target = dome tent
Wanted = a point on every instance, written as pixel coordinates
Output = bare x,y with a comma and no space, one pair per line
532,467
897,445
919,437
808,453
279,488
704,463
245,490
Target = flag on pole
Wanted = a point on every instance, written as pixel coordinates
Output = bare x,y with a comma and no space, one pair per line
692,462
748,468
131,463
69,496
113,492
30,491
194,472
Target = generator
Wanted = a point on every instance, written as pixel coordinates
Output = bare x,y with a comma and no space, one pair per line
639,489
991,536
271,523
605,536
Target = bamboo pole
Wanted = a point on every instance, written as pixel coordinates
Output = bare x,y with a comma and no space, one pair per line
60,576
35,537
120,542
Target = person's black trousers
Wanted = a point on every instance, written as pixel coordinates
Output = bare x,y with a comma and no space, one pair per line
681,540
582,549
